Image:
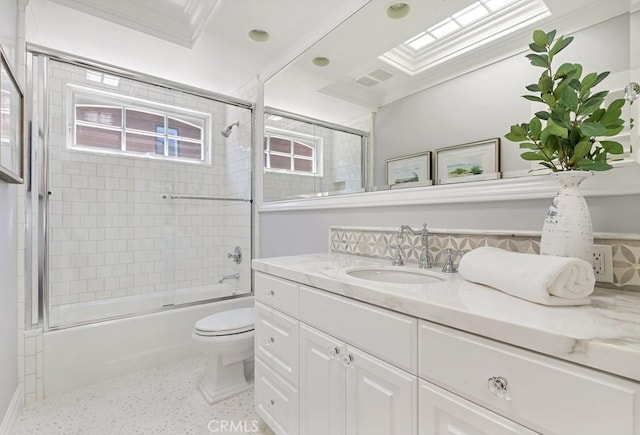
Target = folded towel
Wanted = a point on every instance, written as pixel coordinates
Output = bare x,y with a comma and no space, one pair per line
545,279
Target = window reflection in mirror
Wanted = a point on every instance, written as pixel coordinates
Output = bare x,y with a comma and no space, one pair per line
306,158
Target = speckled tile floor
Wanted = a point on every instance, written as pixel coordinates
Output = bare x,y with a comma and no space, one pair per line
161,400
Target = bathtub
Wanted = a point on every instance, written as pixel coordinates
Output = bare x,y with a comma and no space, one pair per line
96,352
84,312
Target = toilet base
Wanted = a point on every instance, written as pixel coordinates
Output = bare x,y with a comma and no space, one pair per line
224,381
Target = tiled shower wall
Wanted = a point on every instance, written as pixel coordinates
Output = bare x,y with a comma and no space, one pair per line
374,242
113,229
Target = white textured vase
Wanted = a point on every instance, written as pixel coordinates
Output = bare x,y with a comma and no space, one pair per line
567,230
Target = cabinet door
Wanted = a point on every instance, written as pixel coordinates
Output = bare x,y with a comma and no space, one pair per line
381,399
444,413
321,383
276,400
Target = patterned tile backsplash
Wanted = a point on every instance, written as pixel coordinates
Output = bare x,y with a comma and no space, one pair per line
375,242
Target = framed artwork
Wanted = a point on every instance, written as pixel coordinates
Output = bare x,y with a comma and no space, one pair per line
409,171
468,162
11,125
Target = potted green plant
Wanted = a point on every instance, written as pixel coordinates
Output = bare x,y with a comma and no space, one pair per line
569,138
568,134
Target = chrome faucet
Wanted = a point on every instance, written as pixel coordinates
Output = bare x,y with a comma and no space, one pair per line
226,277
236,255
424,262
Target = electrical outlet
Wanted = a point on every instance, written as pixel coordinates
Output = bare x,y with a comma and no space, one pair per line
603,262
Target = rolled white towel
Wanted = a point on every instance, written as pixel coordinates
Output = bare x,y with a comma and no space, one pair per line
544,279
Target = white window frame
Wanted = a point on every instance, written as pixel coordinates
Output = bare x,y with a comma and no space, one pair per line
313,142
85,96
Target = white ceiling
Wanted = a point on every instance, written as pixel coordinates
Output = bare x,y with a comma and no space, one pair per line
208,35
207,45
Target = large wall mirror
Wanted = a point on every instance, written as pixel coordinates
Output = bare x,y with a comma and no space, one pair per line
424,75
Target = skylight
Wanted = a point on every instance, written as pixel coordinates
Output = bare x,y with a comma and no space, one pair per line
477,24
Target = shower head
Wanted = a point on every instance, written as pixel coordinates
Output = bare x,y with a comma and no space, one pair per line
227,131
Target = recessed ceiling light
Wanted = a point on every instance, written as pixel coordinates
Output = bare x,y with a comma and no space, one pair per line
320,61
259,35
398,10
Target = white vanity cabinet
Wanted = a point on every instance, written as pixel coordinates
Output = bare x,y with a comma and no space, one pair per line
348,371
329,364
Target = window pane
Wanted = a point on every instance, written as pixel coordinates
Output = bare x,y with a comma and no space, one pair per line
303,165
188,150
280,145
280,162
301,149
182,129
145,144
111,116
98,137
144,121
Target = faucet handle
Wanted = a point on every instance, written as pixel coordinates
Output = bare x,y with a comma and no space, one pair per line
397,259
449,266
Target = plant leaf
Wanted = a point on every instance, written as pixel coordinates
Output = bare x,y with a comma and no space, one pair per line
528,145
612,147
540,38
587,82
533,98
581,150
542,115
533,87
590,106
550,36
570,99
530,155
537,48
535,128
541,60
560,44
592,128
556,130
601,77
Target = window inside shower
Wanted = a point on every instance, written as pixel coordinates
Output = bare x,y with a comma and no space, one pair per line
145,198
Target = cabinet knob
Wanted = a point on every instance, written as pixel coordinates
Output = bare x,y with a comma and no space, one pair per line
498,386
347,360
332,352
269,341
269,293
270,403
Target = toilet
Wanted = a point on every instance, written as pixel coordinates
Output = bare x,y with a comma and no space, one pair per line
226,339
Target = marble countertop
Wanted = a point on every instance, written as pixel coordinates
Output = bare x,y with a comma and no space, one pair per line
604,335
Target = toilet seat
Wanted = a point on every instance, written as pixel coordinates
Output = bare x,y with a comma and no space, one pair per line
228,322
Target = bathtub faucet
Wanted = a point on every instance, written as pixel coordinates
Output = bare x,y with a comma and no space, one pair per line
226,277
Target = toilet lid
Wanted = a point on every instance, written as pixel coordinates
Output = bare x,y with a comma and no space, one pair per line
227,322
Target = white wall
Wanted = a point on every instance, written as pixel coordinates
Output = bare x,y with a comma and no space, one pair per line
8,240
476,106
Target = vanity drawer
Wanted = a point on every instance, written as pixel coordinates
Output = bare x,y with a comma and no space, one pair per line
276,342
276,401
277,293
545,394
390,336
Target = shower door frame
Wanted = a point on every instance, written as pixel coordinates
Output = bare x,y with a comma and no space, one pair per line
37,120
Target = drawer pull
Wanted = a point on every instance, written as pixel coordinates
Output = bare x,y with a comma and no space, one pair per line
270,403
498,386
332,352
347,360
269,341
269,293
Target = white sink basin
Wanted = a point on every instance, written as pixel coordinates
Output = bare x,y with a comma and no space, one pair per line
397,275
